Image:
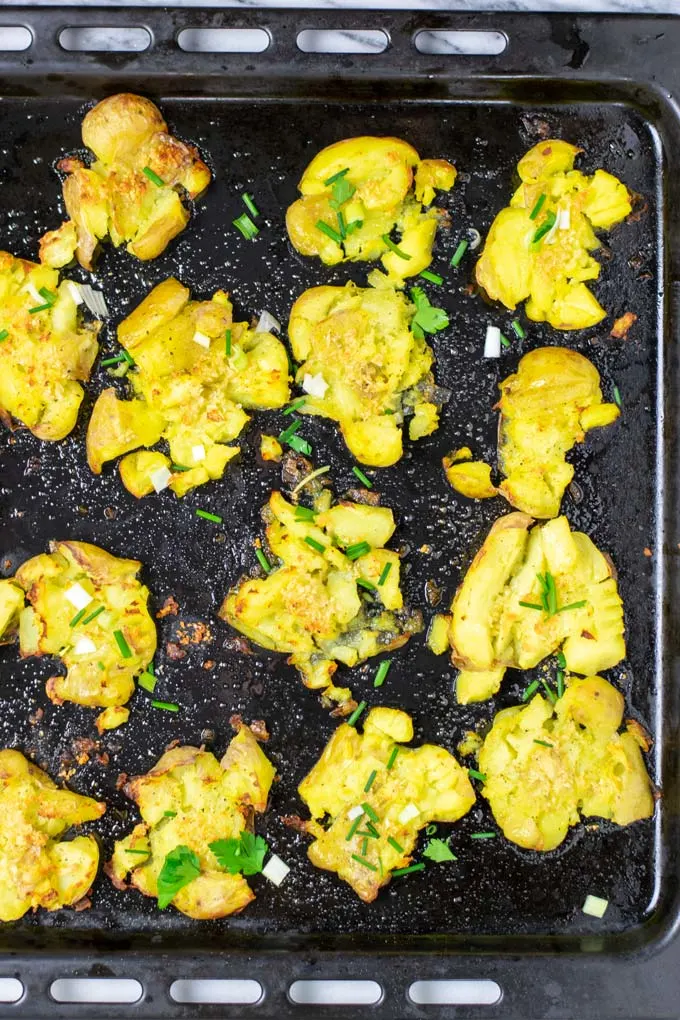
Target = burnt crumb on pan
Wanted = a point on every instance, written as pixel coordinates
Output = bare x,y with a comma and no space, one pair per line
340,711
576,492
33,466
83,510
173,743
647,551
103,758
83,904
197,633
174,651
121,780
364,496
37,716
640,207
619,330
259,729
169,608
535,126
110,513
237,643
209,664
296,823
433,593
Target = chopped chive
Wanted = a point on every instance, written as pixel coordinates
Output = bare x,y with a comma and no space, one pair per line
354,225
245,225
352,721
4,333
49,295
407,871
483,835
393,756
385,571
370,812
227,343
123,646
336,177
533,686
180,468
393,843
519,329
551,592
249,204
364,845
431,277
395,248
617,396
169,814
362,477
167,706
573,605
561,660
208,517
117,360
430,830
353,552
544,228
39,308
317,546
295,405
368,585
543,743
303,513
147,853
372,829
147,681
537,208
504,341
77,618
560,683
342,226
300,445
366,834
531,605
459,252
329,231
370,780
549,691
285,436
93,615
353,828
101,666
364,862
477,775
153,177
383,670
263,561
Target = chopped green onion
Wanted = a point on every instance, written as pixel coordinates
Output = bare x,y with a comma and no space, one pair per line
352,721
519,329
543,743
364,862
353,828
336,177
533,686
49,295
317,546
300,445
146,853
431,277
249,204
295,405
617,396
372,829
169,814
370,780
310,477
560,683
537,208
122,644
483,835
477,775
549,691
208,517
77,618
285,436
368,809
245,225
368,585
362,477
504,341
407,871
303,513
573,605
263,561
147,681
430,830
167,706
93,615
354,225
544,228
393,843
227,343
364,844
329,231
180,468
382,672
101,666
353,552
385,571
531,605
561,660
342,226
4,334
153,177
119,358
393,756
459,252
395,248
39,308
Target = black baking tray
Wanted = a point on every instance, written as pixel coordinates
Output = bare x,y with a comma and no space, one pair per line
610,84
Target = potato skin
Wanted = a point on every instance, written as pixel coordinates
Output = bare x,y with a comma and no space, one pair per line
114,199
551,272
36,869
588,769
428,777
222,797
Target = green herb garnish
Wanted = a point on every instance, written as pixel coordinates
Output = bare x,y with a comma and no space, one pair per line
336,177
431,277
438,850
369,811
303,513
544,228
382,672
249,204
352,721
368,585
300,445
245,225
407,871
77,618
617,396
180,867
504,341
370,781
385,571
167,706
153,177
573,605
353,828
48,295
560,683
393,756
242,855
342,192
295,405
317,546
427,318
483,835
519,329
395,248
353,552
4,333
549,691
533,686
329,231
538,206
543,743
147,681
93,615
227,343
123,646
145,853
393,843
561,660
364,862
208,516
477,775
362,477
459,253
263,561
39,308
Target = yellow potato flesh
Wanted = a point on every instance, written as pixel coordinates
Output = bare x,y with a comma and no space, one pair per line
189,798
428,778
116,198
36,870
186,389
549,271
490,629
548,766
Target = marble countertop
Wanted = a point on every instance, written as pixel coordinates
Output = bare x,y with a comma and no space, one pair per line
572,6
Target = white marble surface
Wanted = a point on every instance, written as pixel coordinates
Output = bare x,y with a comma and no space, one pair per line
580,6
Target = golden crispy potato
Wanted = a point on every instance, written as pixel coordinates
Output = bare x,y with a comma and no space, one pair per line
36,869
132,193
538,248
190,799
471,478
361,189
419,786
528,593
186,390
47,351
104,645
546,765
318,603
546,407
361,344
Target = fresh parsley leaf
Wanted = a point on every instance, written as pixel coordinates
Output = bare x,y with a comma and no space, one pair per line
342,192
180,867
438,850
244,855
427,318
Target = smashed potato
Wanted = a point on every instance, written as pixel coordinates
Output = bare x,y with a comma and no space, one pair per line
189,799
355,193
186,390
132,193
373,369
546,766
538,248
37,867
104,644
47,351
411,787
323,601
528,593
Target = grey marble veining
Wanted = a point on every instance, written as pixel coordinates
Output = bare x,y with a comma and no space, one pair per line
571,6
